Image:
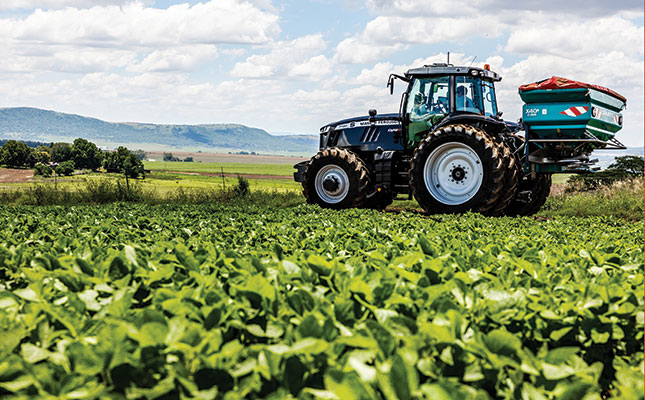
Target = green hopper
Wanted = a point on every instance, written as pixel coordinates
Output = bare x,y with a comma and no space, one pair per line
564,119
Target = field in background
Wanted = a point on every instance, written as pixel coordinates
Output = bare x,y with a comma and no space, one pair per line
285,170
262,172
228,158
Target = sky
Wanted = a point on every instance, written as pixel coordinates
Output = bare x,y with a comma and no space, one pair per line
293,66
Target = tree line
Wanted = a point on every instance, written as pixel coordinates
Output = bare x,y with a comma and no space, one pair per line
64,158
623,167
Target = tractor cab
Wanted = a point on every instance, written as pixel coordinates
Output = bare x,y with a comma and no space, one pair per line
440,90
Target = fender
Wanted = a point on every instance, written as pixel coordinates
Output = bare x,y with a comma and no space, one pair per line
491,124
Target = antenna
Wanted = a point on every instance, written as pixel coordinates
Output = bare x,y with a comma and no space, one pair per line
471,63
448,58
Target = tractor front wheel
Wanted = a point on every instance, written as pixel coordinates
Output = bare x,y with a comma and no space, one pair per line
336,178
456,169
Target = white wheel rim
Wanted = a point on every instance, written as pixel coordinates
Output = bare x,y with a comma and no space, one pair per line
336,175
453,173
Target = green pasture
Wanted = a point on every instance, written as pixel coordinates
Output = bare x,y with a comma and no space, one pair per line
218,167
165,181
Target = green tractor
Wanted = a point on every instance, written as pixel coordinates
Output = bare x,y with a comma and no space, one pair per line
449,148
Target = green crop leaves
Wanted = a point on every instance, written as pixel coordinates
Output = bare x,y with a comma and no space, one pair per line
130,301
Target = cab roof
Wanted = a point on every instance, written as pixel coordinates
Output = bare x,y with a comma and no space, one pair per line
449,69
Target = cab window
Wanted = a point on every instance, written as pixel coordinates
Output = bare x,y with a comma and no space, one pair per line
475,95
488,94
468,94
428,96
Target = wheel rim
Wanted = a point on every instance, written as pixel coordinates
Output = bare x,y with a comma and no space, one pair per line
453,173
332,184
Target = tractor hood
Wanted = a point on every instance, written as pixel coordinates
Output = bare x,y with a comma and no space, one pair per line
357,121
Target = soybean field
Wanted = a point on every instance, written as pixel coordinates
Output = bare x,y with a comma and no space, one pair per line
132,301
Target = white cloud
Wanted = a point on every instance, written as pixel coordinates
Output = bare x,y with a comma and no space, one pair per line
299,58
130,36
310,99
315,67
458,8
356,50
566,26
184,58
133,24
58,4
379,72
578,38
386,35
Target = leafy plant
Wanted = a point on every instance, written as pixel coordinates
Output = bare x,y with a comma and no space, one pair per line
66,168
15,154
242,187
212,301
43,170
86,155
60,152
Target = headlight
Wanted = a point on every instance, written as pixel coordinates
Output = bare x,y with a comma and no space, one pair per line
325,129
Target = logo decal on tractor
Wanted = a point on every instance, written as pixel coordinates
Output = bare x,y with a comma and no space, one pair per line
355,124
531,112
575,111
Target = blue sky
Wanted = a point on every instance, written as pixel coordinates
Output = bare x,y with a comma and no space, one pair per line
293,66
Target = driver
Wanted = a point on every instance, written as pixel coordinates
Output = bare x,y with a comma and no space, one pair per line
420,108
462,100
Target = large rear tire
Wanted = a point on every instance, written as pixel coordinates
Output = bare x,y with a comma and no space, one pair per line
335,178
511,180
538,189
456,169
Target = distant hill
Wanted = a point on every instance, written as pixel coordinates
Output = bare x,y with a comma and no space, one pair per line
49,126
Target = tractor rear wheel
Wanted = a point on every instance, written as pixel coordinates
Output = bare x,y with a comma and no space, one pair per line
336,178
536,189
511,180
455,169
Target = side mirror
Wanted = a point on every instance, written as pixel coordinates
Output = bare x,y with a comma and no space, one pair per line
390,84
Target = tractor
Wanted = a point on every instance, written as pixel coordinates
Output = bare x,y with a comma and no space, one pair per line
450,149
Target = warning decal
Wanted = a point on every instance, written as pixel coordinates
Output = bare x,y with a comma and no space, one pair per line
575,111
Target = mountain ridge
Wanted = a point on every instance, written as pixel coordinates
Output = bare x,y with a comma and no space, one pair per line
29,123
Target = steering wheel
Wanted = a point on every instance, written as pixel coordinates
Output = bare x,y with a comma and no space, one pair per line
439,107
488,97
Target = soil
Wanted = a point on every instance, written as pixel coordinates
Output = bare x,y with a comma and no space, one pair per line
15,175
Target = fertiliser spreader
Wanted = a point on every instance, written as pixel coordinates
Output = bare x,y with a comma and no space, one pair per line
565,120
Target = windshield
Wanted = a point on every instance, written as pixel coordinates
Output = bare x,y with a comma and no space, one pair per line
428,96
475,95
